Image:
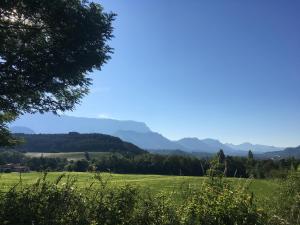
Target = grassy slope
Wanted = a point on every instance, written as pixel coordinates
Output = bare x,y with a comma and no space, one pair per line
149,183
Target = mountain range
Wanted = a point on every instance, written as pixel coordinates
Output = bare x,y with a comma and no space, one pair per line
286,153
257,148
134,132
51,124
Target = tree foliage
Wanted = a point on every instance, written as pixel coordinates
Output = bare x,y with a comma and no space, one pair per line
221,156
46,50
287,199
5,136
250,155
117,162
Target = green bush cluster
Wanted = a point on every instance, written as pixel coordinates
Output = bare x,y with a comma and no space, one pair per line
43,203
286,203
214,202
58,203
219,203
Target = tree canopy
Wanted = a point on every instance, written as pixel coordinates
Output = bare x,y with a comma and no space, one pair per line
46,50
221,156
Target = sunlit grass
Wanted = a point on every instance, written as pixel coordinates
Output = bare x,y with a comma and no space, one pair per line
153,184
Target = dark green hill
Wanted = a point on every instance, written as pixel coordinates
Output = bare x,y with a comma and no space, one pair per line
75,142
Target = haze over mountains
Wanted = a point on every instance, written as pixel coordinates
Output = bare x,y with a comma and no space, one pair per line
51,124
257,148
137,133
286,153
208,145
148,140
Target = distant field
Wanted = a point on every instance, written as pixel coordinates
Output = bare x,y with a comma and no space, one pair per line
149,183
67,155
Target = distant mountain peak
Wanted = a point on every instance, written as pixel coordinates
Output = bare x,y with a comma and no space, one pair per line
247,143
191,138
49,123
246,146
211,141
21,130
137,133
148,140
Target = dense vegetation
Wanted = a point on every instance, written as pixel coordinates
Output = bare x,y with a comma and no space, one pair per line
46,50
214,202
75,142
159,164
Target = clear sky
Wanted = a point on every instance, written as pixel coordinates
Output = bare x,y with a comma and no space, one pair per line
226,69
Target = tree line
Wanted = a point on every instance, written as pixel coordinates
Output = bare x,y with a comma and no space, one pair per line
147,163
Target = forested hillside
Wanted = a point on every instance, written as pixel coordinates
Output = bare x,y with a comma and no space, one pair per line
75,142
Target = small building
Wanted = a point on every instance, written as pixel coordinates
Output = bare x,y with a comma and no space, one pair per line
11,167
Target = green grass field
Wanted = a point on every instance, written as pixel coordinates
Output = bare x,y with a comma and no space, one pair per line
148,183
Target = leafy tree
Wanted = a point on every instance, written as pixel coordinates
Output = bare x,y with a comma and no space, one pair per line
46,164
250,163
87,156
236,167
221,156
250,155
11,157
81,165
5,137
46,50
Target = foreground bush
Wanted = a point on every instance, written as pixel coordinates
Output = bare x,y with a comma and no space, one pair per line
219,203
285,206
43,203
215,202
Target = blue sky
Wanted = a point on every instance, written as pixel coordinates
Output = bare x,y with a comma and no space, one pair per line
221,69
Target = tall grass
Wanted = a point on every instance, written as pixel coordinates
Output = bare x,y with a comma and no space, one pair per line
285,205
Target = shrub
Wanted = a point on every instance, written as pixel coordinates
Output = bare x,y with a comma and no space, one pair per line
219,203
215,202
43,203
113,206
287,201
160,209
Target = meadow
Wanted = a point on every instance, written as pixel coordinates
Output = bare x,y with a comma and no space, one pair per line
130,198
262,188
106,198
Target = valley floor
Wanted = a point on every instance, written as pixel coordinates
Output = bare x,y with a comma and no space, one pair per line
261,188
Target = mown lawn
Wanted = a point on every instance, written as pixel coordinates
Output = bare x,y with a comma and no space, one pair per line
262,189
